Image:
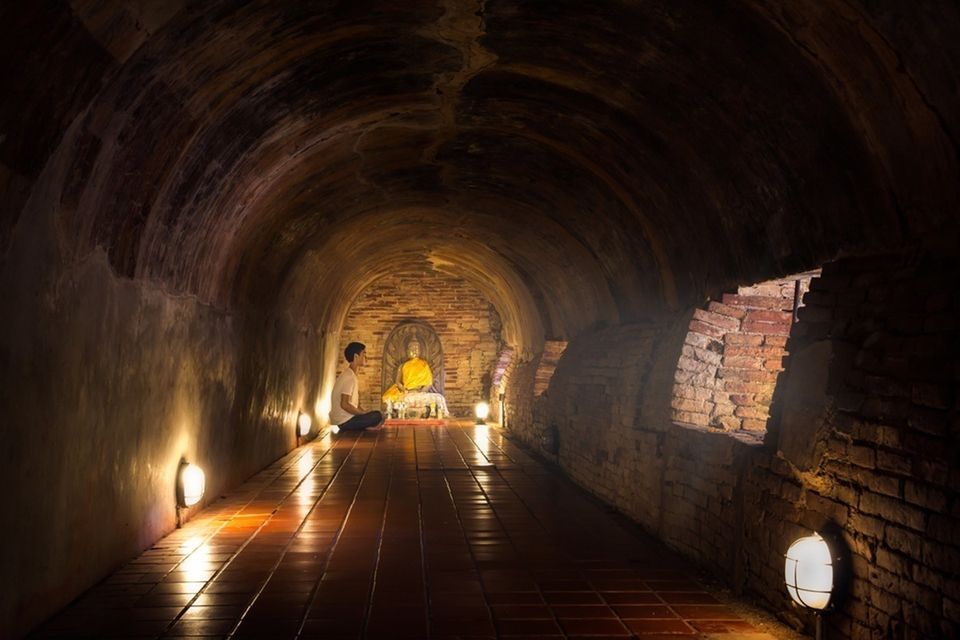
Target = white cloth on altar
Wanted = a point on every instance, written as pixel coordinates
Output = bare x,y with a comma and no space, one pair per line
422,399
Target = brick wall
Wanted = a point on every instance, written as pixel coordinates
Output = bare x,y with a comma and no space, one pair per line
467,324
552,352
733,355
865,437
869,441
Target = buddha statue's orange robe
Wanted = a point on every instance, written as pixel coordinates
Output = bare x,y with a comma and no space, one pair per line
415,375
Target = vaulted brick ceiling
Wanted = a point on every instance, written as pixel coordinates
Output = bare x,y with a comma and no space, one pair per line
580,163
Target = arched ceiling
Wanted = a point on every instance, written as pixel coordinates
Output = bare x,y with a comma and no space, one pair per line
581,164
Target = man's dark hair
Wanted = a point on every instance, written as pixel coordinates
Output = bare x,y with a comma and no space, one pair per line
353,349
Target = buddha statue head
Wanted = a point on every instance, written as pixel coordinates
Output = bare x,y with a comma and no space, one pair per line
413,349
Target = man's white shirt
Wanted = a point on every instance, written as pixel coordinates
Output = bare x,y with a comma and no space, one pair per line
348,384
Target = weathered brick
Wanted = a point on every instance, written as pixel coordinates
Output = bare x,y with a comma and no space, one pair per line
745,387
945,558
892,510
726,310
862,456
703,342
834,510
728,423
773,317
686,363
752,351
893,562
703,328
759,413
924,495
688,404
894,462
697,393
867,525
741,362
717,320
903,540
737,339
766,328
698,419
757,302
775,341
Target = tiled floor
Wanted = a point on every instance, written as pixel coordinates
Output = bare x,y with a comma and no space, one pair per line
410,532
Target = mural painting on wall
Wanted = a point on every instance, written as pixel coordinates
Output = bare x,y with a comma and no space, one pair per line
413,371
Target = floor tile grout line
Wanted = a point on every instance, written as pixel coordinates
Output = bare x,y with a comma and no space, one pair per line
227,519
540,591
336,540
383,524
600,593
422,539
456,509
279,473
286,547
252,535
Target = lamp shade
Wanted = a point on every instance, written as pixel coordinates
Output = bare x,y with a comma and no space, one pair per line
190,484
304,423
482,410
809,572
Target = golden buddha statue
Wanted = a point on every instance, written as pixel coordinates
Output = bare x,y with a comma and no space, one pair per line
413,375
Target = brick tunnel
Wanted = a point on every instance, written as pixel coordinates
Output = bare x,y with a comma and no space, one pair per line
699,258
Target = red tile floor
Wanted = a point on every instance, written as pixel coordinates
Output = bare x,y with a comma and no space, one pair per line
410,532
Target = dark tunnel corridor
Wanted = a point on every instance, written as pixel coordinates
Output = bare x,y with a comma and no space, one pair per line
699,259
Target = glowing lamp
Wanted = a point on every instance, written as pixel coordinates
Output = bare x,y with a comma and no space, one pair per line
482,410
304,423
190,484
809,572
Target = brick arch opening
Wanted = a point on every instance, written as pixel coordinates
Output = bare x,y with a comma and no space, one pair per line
733,356
467,325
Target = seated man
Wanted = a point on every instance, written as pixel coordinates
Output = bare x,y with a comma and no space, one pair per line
412,375
345,411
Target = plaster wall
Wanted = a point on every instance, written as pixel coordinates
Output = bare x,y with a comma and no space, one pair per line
107,384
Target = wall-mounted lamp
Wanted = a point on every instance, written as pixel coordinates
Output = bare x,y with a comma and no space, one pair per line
304,422
191,482
811,574
482,410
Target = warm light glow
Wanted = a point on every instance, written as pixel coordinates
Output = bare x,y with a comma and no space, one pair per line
322,406
196,566
481,438
808,572
304,423
192,483
305,463
482,410
191,544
